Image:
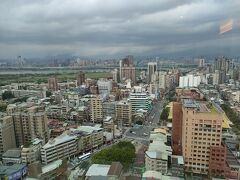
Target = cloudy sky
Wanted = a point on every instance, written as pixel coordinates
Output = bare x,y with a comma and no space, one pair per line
113,28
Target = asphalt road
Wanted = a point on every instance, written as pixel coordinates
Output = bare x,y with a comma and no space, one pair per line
141,133
153,117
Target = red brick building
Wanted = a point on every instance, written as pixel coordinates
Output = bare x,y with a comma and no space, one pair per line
222,162
217,160
177,128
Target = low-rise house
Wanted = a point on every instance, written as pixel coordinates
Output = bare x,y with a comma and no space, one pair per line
102,171
12,156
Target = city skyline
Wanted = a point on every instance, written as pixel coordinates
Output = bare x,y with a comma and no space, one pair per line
114,29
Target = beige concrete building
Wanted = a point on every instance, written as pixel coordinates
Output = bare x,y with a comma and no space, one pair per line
123,113
63,146
96,109
89,137
201,129
7,136
30,123
72,142
32,152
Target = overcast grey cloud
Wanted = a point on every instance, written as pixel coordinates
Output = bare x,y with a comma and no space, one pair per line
112,28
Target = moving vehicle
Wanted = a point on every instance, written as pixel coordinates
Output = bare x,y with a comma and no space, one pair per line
84,156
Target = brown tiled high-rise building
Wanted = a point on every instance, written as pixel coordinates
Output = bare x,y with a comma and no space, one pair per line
80,78
177,128
201,130
52,83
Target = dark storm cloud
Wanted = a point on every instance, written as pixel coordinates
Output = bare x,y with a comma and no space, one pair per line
116,27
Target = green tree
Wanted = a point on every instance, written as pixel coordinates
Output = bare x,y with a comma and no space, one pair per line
124,152
232,117
21,99
3,107
139,122
164,114
7,95
48,93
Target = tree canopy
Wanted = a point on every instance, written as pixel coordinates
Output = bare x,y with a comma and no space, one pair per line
3,107
124,152
164,114
21,99
7,95
48,93
232,117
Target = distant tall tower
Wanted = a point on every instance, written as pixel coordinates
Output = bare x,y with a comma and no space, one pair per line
52,83
152,68
115,75
127,69
201,62
19,61
222,64
80,78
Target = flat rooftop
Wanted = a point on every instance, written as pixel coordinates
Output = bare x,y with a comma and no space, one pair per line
51,166
189,103
59,139
98,170
12,153
202,107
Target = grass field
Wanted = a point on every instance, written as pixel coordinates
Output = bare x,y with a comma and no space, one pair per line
38,78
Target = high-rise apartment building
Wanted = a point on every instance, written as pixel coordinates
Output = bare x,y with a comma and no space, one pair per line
162,80
115,75
80,78
123,113
127,69
189,80
201,129
222,65
96,109
29,124
218,77
52,83
152,68
7,135
109,108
